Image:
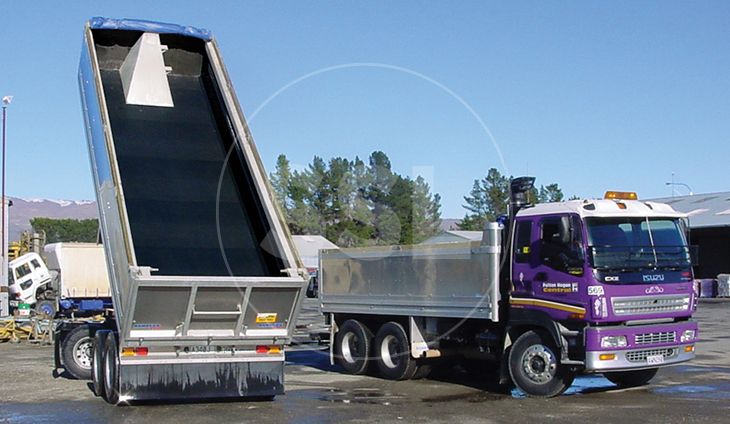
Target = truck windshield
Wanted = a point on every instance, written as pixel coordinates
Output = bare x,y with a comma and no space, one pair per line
637,243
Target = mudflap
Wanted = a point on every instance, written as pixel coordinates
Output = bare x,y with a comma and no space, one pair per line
201,380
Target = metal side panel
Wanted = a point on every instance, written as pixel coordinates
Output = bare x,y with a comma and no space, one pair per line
201,380
103,169
448,280
189,310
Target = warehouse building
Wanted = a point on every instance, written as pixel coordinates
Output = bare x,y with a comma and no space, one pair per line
709,222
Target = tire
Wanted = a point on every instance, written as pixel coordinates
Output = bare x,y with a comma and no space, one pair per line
352,347
393,352
111,370
422,371
631,378
46,308
97,363
535,368
77,352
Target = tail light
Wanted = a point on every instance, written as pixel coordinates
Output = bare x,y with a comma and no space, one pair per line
135,351
268,349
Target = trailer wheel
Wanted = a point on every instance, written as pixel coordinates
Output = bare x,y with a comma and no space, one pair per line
45,308
631,378
535,367
77,351
352,346
97,363
111,370
393,352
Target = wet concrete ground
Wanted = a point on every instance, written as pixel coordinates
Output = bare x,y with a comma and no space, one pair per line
318,393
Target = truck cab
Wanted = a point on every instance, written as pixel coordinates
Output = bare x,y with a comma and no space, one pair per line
614,275
27,276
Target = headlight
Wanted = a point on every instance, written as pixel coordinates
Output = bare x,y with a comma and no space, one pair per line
613,341
25,284
687,335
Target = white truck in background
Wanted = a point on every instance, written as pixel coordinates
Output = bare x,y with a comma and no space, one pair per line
72,282
72,279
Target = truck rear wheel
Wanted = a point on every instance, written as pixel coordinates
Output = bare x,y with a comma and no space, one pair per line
97,363
631,378
393,353
111,370
76,352
535,366
352,346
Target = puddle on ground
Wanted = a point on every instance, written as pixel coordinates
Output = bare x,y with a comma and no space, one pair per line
366,396
710,391
476,397
582,384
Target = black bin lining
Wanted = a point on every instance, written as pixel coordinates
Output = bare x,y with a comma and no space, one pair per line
170,162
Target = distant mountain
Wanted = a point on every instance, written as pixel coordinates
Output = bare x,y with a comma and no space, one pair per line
23,210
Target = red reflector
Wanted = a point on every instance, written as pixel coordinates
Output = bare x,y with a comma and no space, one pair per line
262,349
141,351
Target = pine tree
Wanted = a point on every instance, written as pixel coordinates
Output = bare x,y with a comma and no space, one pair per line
486,201
356,204
280,180
426,211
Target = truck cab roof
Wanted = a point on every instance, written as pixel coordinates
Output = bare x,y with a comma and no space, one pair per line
603,208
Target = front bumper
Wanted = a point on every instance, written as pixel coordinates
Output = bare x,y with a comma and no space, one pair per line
649,346
626,360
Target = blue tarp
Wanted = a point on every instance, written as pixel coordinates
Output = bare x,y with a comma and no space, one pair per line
149,26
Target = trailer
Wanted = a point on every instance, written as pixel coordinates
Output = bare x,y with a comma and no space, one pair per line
205,282
553,290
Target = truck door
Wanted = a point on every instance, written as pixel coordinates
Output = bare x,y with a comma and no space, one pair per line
560,262
523,264
24,288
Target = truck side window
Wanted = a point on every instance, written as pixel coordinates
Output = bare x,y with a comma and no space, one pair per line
561,244
22,270
522,241
35,263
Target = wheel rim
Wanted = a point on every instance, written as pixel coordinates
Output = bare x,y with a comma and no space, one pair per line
349,345
46,309
108,370
83,351
390,351
539,364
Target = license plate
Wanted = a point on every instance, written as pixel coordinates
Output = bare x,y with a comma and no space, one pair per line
655,359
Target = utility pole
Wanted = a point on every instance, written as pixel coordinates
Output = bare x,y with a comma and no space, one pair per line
4,300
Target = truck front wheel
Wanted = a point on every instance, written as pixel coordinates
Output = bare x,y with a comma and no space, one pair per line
631,378
352,346
535,366
76,352
393,352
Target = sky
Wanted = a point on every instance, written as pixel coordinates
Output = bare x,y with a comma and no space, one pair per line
591,95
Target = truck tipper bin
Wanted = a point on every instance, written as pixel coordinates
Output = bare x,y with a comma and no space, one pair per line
205,282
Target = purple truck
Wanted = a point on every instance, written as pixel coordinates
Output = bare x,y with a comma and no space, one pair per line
556,289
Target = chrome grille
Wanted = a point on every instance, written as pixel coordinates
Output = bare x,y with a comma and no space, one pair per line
653,338
641,355
647,305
